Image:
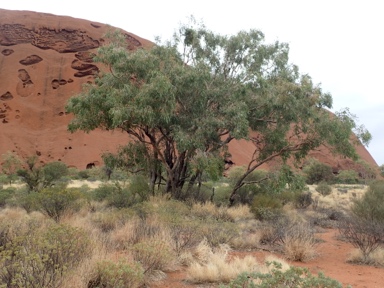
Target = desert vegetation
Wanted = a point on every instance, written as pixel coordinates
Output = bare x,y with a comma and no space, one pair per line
119,235
164,202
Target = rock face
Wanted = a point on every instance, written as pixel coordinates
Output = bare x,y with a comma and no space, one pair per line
45,59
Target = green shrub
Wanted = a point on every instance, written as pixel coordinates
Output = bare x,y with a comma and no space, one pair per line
121,274
83,174
371,205
365,227
139,187
323,188
217,232
154,255
40,258
5,194
57,201
302,200
266,206
26,200
348,177
316,172
291,278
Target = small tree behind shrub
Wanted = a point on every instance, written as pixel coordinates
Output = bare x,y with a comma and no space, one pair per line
316,172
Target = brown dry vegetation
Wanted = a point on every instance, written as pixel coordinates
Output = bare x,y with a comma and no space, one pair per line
165,243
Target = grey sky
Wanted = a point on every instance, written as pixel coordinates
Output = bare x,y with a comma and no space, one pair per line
339,43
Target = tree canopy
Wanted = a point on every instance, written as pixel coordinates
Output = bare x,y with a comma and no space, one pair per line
184,100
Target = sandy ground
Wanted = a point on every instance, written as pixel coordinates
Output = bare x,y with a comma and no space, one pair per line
331,261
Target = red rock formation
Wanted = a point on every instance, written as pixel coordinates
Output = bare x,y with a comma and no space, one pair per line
45,59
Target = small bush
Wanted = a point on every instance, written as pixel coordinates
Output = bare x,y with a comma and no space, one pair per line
299,242
214,266
154,255
116,195
83,174
41,257
303,200
266,206
57,201
324,189
348,177
293,277
121,274
5,194
371,205
316,172
366,235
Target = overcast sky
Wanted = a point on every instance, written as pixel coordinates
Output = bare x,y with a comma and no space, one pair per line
339,43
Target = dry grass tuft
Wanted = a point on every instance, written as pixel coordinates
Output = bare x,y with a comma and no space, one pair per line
240,212
213,265
299,243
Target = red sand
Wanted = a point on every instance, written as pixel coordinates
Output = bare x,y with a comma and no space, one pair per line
331,261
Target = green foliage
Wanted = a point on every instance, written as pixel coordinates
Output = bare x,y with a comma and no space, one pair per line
139,187
348,177
154,255
53,171
323,188
381,168
56,202
6,194
10,164
120,195
293,277
121,274
365,227
366,172
183,101
317,172
41,258
371,206
37,177
266,206
83,174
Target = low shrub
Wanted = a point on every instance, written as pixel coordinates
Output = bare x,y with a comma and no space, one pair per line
6,194
317,172
364,234
371,205
302,200
214,265
41,257
291,278
55,202
266,206
154,255
323,188
299,242
121,274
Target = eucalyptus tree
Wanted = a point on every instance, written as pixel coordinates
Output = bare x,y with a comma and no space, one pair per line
183,101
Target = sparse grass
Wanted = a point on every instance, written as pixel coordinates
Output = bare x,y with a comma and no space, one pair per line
299,243
214,266
376,258
170,231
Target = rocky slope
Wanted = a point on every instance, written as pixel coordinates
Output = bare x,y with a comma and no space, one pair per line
44,60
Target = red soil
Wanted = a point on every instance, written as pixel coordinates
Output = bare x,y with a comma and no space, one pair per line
331,261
